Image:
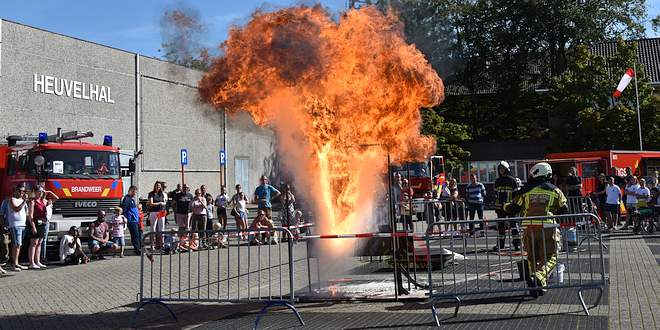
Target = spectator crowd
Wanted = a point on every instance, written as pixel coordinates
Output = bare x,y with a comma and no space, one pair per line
25,216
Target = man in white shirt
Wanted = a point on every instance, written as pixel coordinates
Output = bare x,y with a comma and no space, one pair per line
632,187
612,202
643,194
17,219
71,252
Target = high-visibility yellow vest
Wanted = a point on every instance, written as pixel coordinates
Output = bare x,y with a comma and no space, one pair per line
540,201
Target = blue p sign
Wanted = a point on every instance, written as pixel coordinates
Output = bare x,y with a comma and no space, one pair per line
223,157
184,157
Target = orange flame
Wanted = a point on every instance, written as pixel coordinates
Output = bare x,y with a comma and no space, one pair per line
339,95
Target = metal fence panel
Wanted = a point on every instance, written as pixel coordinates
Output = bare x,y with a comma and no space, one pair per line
558,252
218,266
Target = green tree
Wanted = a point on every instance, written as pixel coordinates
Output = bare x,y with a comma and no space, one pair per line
589,118
447,135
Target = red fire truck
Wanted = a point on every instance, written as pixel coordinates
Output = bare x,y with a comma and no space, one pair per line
590,163
423,178
85,176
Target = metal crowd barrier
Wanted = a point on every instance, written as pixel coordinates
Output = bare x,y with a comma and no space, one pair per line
218,266
427,211
474,267
580,204
583,204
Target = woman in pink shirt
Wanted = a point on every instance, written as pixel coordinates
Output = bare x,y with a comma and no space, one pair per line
198,219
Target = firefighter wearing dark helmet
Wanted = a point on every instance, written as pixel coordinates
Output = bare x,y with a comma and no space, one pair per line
505,186
539,198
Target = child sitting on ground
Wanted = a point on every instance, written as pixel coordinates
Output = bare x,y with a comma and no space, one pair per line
171,242
218,239
184,243
194,242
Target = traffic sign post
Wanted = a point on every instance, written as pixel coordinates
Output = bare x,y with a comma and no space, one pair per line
222,158
184,162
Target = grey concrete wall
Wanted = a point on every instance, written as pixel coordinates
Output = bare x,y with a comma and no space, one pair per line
248,141
27,51
171,115
173,118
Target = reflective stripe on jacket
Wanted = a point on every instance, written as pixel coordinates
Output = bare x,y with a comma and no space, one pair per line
540,201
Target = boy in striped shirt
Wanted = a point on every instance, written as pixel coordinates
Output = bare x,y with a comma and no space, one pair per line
476,192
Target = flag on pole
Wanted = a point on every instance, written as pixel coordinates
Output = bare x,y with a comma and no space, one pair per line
625,80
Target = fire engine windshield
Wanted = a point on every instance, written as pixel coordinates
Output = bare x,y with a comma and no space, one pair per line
81,164
416,169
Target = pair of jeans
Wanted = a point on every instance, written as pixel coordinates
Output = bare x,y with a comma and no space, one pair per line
477,208
136,235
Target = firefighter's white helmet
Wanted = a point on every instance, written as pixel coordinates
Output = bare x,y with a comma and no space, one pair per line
505,164
541,170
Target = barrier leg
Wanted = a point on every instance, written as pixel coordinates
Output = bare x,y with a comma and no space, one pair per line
277,303
594,237
584,305
434,311
152,302
458,305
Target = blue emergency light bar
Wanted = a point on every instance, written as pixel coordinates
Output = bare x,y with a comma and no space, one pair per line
107,140
43,138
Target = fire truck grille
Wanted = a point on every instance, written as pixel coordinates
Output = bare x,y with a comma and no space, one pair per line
83,207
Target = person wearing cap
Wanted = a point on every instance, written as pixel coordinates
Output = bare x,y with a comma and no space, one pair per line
71,252
117,226
537,199
260,223
263,195
99,237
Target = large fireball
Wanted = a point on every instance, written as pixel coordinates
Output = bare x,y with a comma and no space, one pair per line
340,96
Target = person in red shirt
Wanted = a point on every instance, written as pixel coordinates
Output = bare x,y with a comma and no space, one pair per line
141,218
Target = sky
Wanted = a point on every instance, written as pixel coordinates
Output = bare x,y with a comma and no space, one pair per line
135,25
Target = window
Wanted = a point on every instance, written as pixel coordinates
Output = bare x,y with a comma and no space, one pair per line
483,171
242,174
590,170
81,164
12,163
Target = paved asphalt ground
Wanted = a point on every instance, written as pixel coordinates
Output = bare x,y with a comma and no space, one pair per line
102,295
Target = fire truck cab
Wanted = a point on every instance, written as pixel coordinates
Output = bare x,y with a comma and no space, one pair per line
86,177
610,162
424,179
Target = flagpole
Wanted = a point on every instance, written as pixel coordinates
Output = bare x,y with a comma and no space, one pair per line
639,121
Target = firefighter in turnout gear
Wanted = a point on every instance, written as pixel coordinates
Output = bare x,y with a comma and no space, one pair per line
539,198
505,187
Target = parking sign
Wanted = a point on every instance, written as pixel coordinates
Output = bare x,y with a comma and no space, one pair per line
223,157
184,156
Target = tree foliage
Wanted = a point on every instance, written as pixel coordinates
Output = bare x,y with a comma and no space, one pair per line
447,135
589,118
496,52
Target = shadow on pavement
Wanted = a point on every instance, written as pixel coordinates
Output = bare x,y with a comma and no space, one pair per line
151,317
